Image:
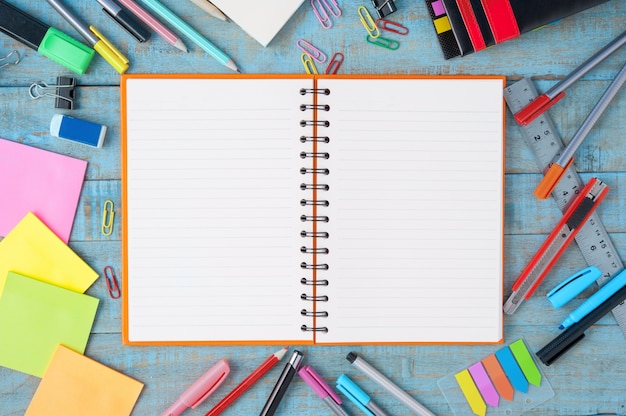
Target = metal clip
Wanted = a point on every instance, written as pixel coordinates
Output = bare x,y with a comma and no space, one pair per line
63,92
108,215
112,285
394,27
335,63
6,61
368,22
384,42
311,50
309,65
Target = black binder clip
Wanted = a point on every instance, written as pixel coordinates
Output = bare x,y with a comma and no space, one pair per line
384,7
63,92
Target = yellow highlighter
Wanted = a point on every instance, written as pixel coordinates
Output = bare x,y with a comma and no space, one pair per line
558,167
101,44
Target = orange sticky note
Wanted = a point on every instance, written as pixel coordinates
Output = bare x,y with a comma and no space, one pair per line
75,385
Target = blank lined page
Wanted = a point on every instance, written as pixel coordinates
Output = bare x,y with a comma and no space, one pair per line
416,210
212,198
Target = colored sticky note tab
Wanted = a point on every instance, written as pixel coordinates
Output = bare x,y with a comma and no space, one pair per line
33,250
497,376
471,393
526,362
442,24
484,384
77,385
438,8
35,317
36,180
512,369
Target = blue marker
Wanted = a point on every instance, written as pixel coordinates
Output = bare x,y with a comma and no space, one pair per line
595,300
358,396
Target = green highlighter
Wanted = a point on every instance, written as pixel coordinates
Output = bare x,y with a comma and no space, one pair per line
48,41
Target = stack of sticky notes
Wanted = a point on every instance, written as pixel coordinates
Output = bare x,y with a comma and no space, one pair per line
45,316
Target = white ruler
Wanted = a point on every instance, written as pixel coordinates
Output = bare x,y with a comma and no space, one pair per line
544,141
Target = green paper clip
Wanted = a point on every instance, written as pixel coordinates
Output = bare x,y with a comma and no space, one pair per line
384,42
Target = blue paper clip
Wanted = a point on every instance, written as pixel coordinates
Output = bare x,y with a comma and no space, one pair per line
309,65
311,50
573,286
335,63
368,22
384,42
320,8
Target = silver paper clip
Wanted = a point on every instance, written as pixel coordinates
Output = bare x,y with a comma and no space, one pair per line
63,92
10,59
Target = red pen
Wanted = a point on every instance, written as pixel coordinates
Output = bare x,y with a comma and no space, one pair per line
270,362
200,389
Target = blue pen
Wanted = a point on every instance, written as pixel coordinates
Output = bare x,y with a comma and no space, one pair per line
573,286
358,396
595,300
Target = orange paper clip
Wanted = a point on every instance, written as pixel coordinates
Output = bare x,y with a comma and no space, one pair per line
311,50
335,63
309,65
112,284
390,26
368,22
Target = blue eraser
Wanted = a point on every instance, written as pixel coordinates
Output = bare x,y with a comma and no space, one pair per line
77,130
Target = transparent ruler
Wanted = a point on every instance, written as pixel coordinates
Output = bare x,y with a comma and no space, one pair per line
544,141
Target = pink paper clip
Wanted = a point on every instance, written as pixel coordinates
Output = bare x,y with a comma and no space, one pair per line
335,63
311,50
112,284
320,8
390,26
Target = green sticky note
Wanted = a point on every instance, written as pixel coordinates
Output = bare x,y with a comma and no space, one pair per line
35,317
526,362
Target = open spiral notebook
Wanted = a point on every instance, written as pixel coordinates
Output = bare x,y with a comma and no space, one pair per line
288,209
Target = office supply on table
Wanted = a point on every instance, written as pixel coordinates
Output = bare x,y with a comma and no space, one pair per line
384,7
335,63
162,30
202,388
322,389
282,384
555,244
33,250
108,217
35,317
575,333
261,20
77,130
45,39
420,223
125,19
208,7
392,388
12,58
311,50
599,297
191,33
358,396
54,182
544,141
464,27
489,386
546,100
383,42
101,44
573,286
248,382
74,384
324,9
309,64
64,92
368,22
391,26
113,286
557,168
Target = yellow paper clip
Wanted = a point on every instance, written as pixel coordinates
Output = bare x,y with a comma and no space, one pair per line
7,60
384,42
335,63
309,65
311,50
390,26
108,215
112,285
368,22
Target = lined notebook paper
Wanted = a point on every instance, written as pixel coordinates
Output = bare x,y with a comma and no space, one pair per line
357,210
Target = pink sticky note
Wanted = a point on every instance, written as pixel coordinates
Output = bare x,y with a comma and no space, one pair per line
38,181
487,390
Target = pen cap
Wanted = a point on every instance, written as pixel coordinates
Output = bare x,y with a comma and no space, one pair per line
66,51
573,286
354,393
206,384
317,383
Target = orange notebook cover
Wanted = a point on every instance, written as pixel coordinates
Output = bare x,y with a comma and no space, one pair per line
289,209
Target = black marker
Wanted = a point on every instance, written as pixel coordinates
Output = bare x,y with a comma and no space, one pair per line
125,19
282,384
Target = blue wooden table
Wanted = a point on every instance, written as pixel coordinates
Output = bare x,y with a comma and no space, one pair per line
589,380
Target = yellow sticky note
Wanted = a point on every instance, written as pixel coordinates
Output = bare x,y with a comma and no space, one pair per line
32,249
442,24
75,385
35,317
472,395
